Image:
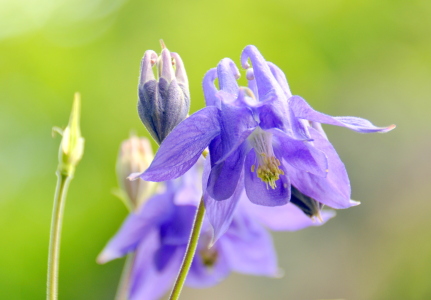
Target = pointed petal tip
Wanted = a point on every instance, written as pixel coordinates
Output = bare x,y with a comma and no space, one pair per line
214,237
354,203
323,216
106,256
389,128
134,176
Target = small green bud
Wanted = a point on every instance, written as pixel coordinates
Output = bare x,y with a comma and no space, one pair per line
72,143
135,156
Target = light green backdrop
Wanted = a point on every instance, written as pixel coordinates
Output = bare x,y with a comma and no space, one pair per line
364,58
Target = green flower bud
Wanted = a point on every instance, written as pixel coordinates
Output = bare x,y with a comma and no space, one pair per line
135,156
72,143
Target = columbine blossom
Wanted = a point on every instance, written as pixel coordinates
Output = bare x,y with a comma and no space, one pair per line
260,138
159,231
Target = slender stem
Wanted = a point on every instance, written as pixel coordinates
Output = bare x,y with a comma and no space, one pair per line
63,181
123,286
190,252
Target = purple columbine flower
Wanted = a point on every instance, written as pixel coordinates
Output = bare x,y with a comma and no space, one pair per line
159,232
163,102
260,138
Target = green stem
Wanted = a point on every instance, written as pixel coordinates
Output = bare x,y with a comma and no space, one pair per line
123,287
63,181
190,252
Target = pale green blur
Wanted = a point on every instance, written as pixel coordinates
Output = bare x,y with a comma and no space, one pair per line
364,58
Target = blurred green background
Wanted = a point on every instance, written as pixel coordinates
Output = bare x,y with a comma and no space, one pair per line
364,58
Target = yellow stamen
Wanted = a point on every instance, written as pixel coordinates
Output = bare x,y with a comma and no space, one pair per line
268,171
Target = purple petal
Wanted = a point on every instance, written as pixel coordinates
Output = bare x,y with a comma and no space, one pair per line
302,155
258,191
200,275
248,247
224,176
165,68
210,89
334,190
265,80
136,227
163,256
237,122
286,217
183,146
304,111
252,82
281,78
176,230
180,71
147,282
147,63
227,74
220,213
187,191
274,113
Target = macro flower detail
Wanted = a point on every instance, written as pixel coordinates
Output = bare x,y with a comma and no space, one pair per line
158,233
163,102
261,139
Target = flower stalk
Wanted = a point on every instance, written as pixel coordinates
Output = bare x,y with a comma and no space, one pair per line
70,153
63,182
124,285
190,252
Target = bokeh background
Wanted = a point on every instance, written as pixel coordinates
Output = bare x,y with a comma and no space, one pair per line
365,58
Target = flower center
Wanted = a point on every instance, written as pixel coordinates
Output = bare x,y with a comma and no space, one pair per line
209,256
267,164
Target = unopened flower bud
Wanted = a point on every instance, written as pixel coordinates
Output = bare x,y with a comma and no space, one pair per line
135,155
163,101
72,143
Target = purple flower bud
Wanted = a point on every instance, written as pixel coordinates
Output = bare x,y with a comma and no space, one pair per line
135,155
163,101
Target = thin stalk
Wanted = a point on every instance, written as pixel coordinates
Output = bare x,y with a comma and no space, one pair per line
190,252
63,181
123,286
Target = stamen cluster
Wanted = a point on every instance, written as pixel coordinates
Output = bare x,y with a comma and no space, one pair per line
268,169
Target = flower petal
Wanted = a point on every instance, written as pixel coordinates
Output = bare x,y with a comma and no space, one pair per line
265,80
200,275
304,111
163,255
334,190
183,146
188,192
227,74
281,78
286,217
147,282
210,89
237,122
176,230
136,227
302,155
248,247
224,176
258,191
220,213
